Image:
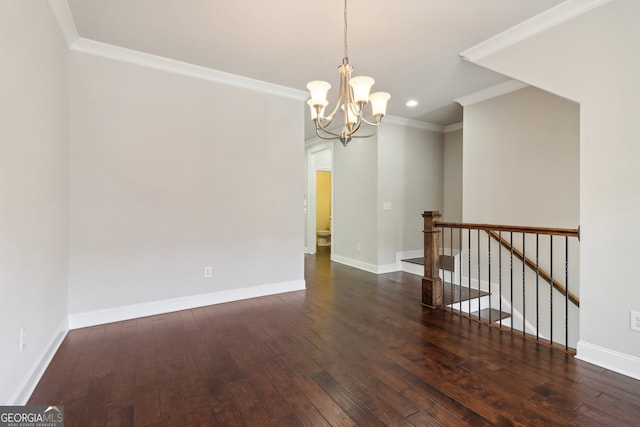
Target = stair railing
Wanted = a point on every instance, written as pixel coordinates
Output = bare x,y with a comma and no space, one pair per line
485,278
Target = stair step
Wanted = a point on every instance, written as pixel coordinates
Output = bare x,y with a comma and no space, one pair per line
491,315
447,262
455,293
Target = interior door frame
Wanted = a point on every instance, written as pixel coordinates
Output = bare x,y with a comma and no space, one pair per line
313,149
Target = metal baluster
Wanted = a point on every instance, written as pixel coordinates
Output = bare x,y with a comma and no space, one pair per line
524,272
460,265
489,272
500,274
551,289
566,295
479,294
511,271
537,287
469,289
453,264
441,266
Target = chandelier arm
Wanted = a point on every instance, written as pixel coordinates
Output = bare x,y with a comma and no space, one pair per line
376,124
362,136
324,123
335,109
355,107
339,101
327,131
328,138
356,127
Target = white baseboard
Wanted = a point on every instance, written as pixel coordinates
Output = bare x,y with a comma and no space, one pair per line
117,314
371,268
419,253
388,268
361,265
29,382
621,363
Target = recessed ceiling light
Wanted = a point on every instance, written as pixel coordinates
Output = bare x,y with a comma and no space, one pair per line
411,103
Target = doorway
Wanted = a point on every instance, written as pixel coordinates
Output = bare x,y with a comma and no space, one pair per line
319,159
323,208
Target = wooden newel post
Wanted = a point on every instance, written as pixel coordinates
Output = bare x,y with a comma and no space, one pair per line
431,283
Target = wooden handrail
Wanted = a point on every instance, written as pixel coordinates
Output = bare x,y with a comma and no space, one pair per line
431,283
570,232
532,265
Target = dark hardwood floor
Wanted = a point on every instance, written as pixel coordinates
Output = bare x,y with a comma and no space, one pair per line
353,349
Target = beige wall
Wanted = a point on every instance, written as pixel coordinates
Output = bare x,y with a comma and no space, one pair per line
381,187
33,192
521,160
170,174
591,59
453,176
355,202
410,181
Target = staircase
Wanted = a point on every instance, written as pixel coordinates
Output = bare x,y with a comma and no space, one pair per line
519,278
460,298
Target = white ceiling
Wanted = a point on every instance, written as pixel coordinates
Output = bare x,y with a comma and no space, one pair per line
410,47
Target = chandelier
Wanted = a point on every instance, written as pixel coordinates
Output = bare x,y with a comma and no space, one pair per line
353,97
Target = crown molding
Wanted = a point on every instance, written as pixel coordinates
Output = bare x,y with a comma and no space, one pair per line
491,92
130,56
452,128
529,28
62,13
401,121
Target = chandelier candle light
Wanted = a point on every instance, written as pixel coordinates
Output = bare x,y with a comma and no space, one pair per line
353,97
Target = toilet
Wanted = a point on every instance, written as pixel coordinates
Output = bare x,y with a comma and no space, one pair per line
323,237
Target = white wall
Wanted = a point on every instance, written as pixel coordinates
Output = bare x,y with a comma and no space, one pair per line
355,197
170,174
381,187
521,160
591,59
33,193
410,181
452,210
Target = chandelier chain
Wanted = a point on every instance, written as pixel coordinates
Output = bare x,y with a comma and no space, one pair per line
346,56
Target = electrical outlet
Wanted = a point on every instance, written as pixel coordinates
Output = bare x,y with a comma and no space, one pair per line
208,272
23,340
358,247
635,321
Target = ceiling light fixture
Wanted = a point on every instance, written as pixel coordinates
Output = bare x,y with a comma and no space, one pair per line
353,97
411,103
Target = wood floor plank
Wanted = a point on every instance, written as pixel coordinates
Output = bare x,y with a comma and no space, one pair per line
354,348
299,402
330,410
349,403
121,416
249,404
